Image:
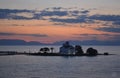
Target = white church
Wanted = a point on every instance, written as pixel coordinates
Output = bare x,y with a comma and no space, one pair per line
67,48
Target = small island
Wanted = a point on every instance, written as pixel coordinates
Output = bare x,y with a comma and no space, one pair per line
68,50
65,50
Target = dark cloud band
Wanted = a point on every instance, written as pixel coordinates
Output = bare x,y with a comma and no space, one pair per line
12,34
70,16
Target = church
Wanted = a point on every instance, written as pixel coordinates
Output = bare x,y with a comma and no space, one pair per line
67,48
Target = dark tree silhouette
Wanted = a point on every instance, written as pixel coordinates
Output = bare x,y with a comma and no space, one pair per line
41,50
92,51
78,50
44,50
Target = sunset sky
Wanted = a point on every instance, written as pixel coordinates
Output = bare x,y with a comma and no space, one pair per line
49,21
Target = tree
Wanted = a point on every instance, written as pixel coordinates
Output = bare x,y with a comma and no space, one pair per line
78,50
45,49
92,51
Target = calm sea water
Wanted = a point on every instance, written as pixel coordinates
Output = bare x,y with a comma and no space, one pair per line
22,66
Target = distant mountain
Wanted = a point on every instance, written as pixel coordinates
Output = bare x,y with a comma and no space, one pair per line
18,42
90,42
86,42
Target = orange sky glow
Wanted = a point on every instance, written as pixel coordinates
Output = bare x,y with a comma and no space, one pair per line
54,32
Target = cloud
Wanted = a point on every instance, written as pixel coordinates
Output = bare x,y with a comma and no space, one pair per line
15,13
78,19
116,22
33,14
20,18
55,8
79,15
93,34
6,13
109,29
97,36
15,34
53,13
74,13
115,19
72,20
48,13
105,17
85,11
112,22
59,15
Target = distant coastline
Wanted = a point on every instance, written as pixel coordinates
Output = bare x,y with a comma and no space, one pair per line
12,42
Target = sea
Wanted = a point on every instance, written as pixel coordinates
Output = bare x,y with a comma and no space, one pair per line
24,66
